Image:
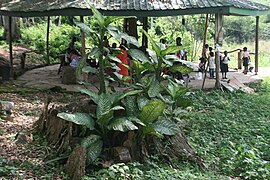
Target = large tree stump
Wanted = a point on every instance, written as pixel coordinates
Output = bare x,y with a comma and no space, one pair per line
179,148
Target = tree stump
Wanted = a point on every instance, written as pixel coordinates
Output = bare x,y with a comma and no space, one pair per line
75,166
179,148
68,75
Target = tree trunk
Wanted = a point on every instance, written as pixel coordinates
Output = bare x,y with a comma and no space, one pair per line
16,34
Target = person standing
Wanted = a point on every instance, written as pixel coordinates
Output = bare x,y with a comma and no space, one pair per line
246,59
211,65
180,54
224,65
205,51
123,56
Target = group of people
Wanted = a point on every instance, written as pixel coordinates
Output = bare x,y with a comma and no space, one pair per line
73,57
209,56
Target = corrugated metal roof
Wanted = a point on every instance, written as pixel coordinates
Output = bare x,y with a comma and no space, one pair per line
129,7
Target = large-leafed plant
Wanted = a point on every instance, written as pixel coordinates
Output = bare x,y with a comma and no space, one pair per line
160,57
140,109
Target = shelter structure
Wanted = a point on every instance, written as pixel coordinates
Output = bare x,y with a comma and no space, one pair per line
139,8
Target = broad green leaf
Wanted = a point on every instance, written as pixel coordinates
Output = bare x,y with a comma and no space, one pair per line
138,54
168,62
154,89
113,28
149,130
78,118
114,58
166,127
115,34
115,108
130,106
98,16
85,28
93,145
93,95
111,19
153,43
122,124
170,50
129,39
180,68
151,111
89,69
105,118
154,58
142,101
129,93
136,120
104,105
94,52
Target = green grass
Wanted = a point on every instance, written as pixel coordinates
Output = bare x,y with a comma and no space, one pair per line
231,131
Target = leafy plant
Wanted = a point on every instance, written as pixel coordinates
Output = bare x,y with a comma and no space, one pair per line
100,33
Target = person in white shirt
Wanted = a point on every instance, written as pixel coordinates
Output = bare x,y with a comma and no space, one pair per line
211,65
224,65
246,59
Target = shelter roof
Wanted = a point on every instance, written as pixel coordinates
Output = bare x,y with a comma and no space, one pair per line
139,8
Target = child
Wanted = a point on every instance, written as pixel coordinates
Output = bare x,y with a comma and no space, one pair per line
251,66
246,58
211,65
224,65
202,64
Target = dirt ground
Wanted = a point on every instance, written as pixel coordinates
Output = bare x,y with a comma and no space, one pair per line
29,160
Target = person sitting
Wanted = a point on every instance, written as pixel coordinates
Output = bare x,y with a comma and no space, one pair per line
202,64
74,58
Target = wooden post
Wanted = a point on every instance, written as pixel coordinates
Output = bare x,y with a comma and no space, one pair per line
145,27
204,42
10,47
48,39
218,41
83,38
257,46
205,31
239,59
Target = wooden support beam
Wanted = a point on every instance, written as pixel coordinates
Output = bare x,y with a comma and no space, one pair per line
10,47
218,42
83,38
204,42
257,46
48,40
145,27
205,31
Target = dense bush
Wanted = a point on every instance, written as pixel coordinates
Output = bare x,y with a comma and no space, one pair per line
35,37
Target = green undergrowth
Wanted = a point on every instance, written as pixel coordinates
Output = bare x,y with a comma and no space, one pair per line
154,170
231,131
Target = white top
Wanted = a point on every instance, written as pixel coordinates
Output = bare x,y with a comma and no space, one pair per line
211,62
246,54
226,60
